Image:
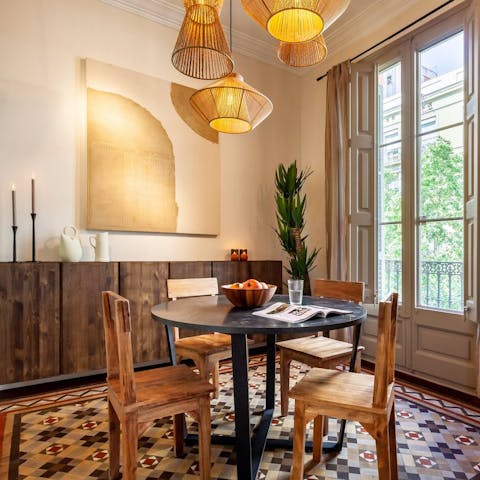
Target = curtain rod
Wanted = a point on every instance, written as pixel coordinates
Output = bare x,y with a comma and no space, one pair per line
423,17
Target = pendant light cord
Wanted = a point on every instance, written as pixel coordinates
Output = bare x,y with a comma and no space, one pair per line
231,42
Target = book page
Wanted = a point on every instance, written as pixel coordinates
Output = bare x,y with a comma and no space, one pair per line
297,313
287,312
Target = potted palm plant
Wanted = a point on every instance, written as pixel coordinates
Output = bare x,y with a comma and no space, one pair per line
291,205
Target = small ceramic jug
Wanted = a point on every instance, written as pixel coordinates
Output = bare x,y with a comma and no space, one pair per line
100,244
70,246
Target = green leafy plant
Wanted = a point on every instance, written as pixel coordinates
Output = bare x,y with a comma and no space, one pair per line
291,206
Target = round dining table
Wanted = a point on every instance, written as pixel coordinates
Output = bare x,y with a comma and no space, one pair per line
217,314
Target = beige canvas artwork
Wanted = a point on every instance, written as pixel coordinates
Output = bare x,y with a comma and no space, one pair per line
152,166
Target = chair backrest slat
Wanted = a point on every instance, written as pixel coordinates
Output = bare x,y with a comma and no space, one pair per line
382,361
385,356
118,334
110,336
352,291
393,337
191,287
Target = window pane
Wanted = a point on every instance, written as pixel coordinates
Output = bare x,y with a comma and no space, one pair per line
389,259
389,187
441,84
389,115
441,174
390,183
441,265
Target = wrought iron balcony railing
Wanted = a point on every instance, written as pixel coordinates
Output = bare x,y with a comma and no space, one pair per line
441,283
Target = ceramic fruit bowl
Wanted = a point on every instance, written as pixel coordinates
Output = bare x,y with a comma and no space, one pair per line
249,297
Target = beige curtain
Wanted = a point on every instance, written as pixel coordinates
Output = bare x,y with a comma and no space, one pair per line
336,171
336,168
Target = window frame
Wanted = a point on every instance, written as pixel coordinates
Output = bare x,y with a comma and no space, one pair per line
430,36
406,50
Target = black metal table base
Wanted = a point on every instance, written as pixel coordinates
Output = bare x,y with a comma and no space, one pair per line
271,443
287,444
256,441
249,447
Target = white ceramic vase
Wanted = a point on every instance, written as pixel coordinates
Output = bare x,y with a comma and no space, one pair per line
100,244
70,246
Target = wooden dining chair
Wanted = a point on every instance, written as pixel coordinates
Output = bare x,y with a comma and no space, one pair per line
135,399
368,399
205,350
319,351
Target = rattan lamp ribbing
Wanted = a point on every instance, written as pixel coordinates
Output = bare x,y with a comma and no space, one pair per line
295,20
231,106
303,54
201,50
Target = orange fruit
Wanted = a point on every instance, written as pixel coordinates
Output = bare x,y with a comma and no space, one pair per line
252,283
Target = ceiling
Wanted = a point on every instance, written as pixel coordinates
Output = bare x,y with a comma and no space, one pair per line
252,40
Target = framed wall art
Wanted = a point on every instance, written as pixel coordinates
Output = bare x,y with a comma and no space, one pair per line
152,164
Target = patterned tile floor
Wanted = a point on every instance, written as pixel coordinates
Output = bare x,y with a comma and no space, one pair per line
64,436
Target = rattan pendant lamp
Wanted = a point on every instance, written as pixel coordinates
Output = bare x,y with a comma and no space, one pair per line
230,105
303,54
295,21
201,50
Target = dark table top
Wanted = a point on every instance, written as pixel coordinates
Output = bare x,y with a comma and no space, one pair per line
219,315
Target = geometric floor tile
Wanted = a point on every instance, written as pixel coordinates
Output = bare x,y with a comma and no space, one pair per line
425,462
414,435
369,456
64,436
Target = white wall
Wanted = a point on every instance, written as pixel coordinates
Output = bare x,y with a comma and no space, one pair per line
42,131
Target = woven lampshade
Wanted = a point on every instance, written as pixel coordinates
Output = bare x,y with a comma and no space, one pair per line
333,9
303,54
216,4
231,106
201,50
295,20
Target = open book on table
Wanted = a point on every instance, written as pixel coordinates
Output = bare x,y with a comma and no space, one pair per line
297,313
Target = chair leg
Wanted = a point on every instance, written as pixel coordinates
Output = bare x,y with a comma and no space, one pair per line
178,433
206,369
114,443
299,430
383,451
284,382
358,363
393,445
204,439
325,425
318,432
215,372
202,366
129,447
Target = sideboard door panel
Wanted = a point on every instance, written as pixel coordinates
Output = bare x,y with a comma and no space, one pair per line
269,271
144,284
29,321
230,272
190,269
83,340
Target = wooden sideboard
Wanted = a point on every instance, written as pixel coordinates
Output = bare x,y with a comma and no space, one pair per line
51,313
